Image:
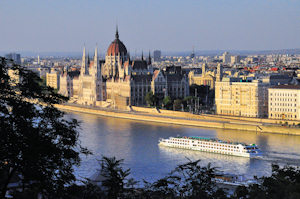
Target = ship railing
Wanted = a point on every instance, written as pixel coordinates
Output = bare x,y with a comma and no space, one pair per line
212,140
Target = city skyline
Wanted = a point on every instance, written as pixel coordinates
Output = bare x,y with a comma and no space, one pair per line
55,26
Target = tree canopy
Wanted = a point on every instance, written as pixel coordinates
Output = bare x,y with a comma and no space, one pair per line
283,183
167,102
36,142
150,98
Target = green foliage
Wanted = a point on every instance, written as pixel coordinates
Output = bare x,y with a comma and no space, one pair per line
167,102
189,98
199,90
36,141
115,179
283,183
188,180
150,98
86,191
194,181
177,104
206,95
43,82
188,101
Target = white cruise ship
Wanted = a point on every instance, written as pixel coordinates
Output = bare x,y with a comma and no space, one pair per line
212,145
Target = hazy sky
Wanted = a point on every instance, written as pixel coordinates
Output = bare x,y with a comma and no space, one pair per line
169,25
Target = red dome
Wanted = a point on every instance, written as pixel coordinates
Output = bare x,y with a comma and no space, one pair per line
116,47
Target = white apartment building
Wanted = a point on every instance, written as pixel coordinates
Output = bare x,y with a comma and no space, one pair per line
284,102
226,58
52,80
240,98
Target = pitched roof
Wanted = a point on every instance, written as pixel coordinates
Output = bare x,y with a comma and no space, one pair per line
142,78
155,74
139,65
287,87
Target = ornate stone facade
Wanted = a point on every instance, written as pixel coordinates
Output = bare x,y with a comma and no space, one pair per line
206,78
119,82
90,81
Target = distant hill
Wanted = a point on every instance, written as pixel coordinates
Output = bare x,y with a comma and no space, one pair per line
234,52
165,53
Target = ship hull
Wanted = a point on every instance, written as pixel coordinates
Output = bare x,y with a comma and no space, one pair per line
223,152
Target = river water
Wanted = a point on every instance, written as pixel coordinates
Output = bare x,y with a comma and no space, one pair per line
137,143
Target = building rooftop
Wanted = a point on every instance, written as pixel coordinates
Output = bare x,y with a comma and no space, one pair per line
287,87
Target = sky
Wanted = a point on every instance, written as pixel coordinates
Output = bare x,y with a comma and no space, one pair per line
168,25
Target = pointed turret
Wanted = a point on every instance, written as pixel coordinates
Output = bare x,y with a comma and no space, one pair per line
87,65
204,68
128,57
96,56
149,58
96,62
83,63
117,33
142,56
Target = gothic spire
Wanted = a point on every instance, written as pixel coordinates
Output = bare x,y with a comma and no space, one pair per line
83,64
117,32
96,55
83,54
128,56
142,55
149,58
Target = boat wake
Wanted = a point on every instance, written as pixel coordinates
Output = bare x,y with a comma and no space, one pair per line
282,159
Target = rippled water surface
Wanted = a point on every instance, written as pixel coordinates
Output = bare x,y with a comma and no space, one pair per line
137,143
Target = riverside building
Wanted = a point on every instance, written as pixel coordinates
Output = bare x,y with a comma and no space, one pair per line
284,102
237,97
207,78
119,81
52,80
245,97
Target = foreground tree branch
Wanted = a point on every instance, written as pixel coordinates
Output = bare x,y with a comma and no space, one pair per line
36,142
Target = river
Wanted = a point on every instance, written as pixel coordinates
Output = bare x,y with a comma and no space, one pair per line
137,143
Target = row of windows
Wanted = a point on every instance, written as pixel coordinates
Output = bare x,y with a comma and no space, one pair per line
178,143
283,104
282,115
208,147
178,89
283,109
283,94
229,112
142,90
205,143
284,99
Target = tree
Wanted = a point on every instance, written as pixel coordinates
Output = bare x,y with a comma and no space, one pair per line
115,178
86,191
36,142
150,98
167,102
188,102
188,180
283,183
178,104
194,181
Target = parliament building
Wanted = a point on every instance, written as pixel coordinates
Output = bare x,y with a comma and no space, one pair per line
118,81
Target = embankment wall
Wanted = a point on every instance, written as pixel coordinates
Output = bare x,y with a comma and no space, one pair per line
144,114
